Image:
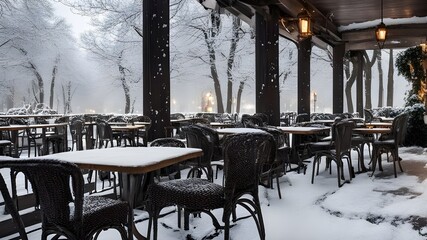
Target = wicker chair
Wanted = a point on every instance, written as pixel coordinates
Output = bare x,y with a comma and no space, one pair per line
77,130
66,212
275,168
212,135
197,139
341,141
244,155
104,134
390,145
173,172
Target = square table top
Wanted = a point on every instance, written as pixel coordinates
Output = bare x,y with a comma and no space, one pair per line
133,160
304,130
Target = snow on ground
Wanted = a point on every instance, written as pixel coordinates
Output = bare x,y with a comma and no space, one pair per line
369,208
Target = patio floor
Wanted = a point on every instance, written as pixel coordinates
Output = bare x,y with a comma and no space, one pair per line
380,207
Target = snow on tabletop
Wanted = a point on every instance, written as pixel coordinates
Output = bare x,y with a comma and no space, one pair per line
239,130
123,157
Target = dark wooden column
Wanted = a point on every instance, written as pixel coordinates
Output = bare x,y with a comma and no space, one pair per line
359,83
267,67
338,79
304,54
156,77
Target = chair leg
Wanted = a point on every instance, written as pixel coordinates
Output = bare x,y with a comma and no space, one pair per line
278,187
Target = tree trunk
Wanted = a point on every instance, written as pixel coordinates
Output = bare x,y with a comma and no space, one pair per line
380,78
349,83
210,39
66,97
125,87
368,78
52,83
239,96
390,80
233,45
39,79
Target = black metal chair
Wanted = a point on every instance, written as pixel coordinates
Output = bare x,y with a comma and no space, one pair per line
172,172
390,145
340,149
244,156
59,188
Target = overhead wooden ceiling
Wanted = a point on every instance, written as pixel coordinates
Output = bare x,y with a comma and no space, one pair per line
397,14
351,22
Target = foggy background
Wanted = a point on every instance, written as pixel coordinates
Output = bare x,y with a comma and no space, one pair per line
95,78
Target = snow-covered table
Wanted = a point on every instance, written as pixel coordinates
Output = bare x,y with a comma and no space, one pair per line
134,162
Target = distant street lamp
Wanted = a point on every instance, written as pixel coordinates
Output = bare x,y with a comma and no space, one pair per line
314,101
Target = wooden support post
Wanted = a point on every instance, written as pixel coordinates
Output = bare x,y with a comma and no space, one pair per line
338,79
304,54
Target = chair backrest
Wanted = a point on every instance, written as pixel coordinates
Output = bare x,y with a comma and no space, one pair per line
302,117
399,128
213,137
244,156
249,121
263,117
210,133
343,133
167,142
196,139
177,116
76,127
104,131
369,116
51,184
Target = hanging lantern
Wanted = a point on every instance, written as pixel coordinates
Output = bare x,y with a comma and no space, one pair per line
304,24
381,30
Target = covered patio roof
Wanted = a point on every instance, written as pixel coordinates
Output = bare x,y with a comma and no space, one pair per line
351,22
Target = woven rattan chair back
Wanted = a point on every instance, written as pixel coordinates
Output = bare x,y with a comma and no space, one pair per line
196,139
213,137
343,133
58,184
244,156
399,128
249,121
167,142
105,133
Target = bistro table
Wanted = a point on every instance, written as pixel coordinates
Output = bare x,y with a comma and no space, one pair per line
135,163
297,132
